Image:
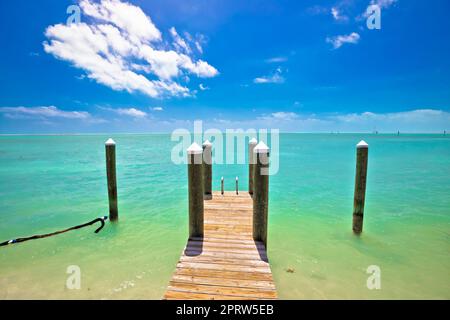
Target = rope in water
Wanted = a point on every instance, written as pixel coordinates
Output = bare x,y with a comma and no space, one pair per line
40,236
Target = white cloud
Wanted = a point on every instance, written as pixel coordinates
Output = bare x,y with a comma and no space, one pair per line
340,40
277,60
203,87
179,42
395,118
337,15
45,111
383,3
130,112
158,109
199,47
276,77
119,45
125,16
420,120
280,116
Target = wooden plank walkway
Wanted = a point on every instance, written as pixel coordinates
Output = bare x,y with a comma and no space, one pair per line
226,263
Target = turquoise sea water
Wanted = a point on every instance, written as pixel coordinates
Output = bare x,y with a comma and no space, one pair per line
48,183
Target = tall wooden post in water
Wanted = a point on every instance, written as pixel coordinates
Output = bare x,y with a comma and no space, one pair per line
195,186
251,164
110,147
362,151
261,193
207,170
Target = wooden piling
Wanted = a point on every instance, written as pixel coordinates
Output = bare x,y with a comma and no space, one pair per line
362,151
221,186
110,148
207,169
237,185
251,164
261,193
195,186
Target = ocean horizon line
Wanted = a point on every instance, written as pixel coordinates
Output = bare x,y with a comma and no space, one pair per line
281,132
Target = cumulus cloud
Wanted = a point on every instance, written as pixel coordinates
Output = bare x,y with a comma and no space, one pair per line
125,16
275,77
339,41
157,109
123,49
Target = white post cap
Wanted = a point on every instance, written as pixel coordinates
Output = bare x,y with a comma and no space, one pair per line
253,141
194,149
110,142
261,147
207,143
362,144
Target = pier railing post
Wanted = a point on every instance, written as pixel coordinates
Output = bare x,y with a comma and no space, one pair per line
237,185
195,186
251,164
261,193
221,186
110,148
207,169
362,151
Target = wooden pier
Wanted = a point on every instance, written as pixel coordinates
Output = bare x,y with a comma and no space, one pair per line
225,257
226,263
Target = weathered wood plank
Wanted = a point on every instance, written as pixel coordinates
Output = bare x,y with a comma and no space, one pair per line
213,244
176,295
217,260
237,275
227,254
223,267
230,291
242,283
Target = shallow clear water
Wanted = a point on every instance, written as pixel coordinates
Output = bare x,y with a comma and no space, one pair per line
48,183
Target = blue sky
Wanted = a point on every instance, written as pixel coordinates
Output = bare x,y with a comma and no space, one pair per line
157,65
